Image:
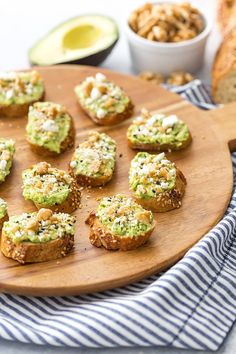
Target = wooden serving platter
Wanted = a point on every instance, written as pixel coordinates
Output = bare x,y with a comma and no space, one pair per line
206,165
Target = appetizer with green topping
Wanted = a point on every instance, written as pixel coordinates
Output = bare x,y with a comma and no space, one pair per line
18,90
120,223
38,236
158,132
49,187
3,212
157,184
7,150
103,101
93,161
50,129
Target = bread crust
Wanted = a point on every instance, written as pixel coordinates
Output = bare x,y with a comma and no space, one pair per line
158,146
2,220
168,200
69,205
100,236
83,180
224,64
110,119
66,144
29,252
226,12
17,110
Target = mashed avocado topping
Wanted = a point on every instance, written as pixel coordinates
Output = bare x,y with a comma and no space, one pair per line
3,208
48,125
123,217
101,96
95,157
151,175
20,87
39,227
158,128
7,150
46,185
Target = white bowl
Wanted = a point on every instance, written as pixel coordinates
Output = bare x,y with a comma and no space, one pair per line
165,58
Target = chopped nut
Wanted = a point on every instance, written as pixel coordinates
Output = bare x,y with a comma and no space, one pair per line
33,225
44,214
88,86
166,22
143,216
179,78
42,168
6,155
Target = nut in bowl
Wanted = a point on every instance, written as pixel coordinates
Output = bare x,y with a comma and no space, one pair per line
165,37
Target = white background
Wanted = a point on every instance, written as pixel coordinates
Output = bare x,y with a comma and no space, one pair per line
22,22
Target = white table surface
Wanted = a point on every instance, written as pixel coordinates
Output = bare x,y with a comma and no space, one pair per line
22,22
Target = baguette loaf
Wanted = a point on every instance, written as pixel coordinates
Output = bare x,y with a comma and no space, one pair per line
226,15
224,70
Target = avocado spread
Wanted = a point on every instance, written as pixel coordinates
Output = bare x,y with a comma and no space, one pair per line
101,97
123,217
46,185
48,125
20,87
7,150
3,208
95,157
158,128
151,175
39,227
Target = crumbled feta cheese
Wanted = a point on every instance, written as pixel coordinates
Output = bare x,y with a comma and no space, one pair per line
138,119
3,165
169,121
100,77
154,118
160,156
95,93
9,94
89,79
101,113
50,126
73,164
172,172
164,185
8,75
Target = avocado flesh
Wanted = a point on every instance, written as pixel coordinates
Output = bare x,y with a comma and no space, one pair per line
85,37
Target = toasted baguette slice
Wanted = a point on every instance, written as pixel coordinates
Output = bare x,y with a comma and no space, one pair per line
168,200
224,70
64,145
158,132
32,228
100,236
93,161
42,181
113,208
112,104
29,252
7,150
15,83
164,185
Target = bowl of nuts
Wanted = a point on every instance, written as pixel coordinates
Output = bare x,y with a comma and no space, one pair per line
166,37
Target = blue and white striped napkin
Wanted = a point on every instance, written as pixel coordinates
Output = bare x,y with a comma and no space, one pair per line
192,305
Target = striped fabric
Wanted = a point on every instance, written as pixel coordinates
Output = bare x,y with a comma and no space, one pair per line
193,305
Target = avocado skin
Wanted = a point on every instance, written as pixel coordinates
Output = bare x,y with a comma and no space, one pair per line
93,60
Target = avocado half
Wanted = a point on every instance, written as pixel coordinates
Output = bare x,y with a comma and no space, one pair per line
86,39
